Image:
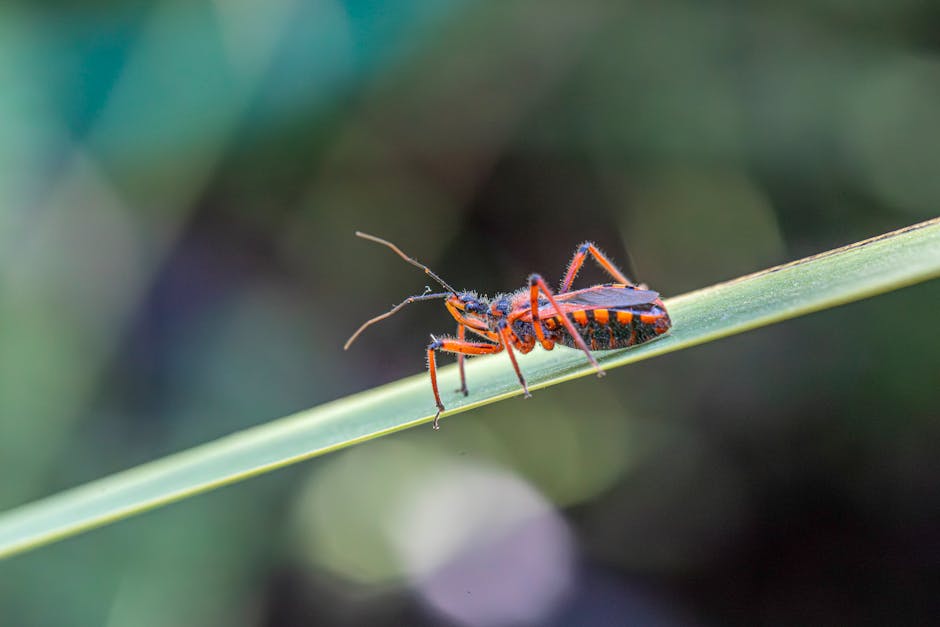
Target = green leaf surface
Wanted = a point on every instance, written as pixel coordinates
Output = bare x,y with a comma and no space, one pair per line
877,265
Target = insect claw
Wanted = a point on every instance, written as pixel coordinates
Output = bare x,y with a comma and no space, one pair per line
436,425
525,390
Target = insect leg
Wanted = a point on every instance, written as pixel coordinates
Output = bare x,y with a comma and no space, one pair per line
507,342
546,343
432,371
460,347
461,336
585,249
536,281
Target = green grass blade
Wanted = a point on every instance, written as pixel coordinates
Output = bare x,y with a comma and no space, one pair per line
857,271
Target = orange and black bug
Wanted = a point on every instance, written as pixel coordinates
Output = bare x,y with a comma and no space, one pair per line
597,318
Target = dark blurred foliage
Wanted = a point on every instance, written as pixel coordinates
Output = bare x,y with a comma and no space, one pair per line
179,186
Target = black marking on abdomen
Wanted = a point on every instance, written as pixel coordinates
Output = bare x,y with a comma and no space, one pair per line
612,335
607,336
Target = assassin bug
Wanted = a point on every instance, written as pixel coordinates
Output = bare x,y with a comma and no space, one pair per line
601,317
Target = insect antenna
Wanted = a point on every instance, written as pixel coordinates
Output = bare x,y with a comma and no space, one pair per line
393,310
410,260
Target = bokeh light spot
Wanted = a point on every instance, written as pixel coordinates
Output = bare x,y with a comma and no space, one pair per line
484,547
478,543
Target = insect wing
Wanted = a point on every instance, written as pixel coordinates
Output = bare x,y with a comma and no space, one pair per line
600,297
608,298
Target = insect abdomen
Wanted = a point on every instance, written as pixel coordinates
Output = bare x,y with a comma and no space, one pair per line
606,329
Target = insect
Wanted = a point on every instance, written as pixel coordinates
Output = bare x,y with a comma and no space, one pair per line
597,318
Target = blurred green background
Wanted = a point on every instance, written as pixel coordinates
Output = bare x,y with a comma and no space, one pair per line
179,186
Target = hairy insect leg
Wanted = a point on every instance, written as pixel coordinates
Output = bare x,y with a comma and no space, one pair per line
537,283
504,334
461,336
461,347
546,343
432,371
585,249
